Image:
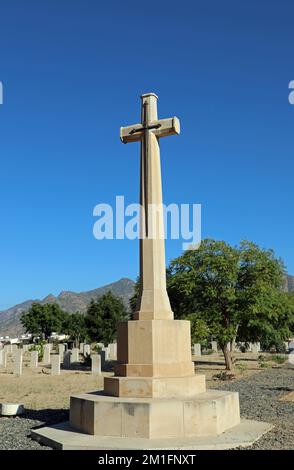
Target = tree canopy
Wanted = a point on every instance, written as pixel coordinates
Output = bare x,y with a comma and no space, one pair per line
74,325
42,319
237,291
102,317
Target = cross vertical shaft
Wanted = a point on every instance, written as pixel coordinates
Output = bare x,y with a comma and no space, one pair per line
153,302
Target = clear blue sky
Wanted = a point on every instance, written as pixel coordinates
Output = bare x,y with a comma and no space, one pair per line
73,71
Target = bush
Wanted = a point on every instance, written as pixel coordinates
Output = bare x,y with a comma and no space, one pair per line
40,348
87,360
278,359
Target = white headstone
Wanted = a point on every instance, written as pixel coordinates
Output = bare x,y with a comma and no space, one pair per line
46,356
17,364
96,364
55,364
112,351
3,358
34,359
74,355
87,349
61,350
196,349
82,348
214,346
255,348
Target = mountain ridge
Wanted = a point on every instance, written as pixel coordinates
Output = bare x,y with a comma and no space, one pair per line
68,300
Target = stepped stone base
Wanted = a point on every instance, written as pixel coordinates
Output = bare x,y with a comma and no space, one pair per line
157,387
206,414
63,437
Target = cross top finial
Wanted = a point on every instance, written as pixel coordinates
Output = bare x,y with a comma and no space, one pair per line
149,122
149,94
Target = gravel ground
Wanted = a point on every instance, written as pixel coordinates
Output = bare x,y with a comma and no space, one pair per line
15,432
260,399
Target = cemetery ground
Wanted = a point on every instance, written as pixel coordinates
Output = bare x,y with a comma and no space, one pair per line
266,389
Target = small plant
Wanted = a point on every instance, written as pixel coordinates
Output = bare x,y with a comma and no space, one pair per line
278,359
241,367
87,360
39,347
264,365
224,376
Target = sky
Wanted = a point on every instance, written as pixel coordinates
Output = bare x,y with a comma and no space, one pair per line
72,74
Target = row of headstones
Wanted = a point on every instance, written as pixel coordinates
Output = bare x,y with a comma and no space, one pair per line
54,360
253,347
68,357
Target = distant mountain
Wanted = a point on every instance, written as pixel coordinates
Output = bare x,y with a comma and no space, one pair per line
289,283
69,301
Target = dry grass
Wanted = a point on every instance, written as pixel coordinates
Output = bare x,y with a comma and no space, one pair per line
38,390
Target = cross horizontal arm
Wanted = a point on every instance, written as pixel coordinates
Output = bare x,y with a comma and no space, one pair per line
161,128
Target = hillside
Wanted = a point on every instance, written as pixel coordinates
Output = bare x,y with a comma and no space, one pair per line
69,301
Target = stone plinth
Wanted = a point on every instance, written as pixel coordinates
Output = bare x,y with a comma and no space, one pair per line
148,387
208,413
154,348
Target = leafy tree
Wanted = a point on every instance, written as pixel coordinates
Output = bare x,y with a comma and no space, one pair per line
235,290
204,281
42,320
74,325
200,331
102,317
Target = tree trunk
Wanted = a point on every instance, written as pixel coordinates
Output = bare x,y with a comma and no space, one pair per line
228,357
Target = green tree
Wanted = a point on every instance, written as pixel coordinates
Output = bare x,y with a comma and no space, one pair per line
74,325
102,317
231,288
42,320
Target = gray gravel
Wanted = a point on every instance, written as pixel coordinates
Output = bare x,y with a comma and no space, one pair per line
259,399
15,432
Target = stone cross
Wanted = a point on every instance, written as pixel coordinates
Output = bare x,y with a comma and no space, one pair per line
153,301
